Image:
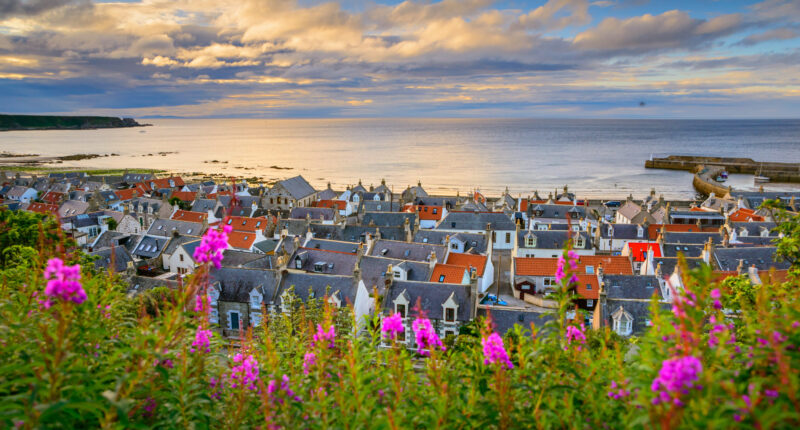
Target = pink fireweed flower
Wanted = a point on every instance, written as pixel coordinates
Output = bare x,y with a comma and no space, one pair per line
199,303
201,340
322,336
676,377
618,392
63,282
577,335
715,294
309,360
392,326
212,245
426,336
245,373
494,351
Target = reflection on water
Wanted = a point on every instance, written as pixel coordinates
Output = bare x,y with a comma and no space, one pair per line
592,156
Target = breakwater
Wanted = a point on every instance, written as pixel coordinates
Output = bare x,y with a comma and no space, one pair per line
776,172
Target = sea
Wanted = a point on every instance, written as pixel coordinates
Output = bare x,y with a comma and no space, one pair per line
593,157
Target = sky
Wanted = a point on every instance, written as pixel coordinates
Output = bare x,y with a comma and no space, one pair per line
415,58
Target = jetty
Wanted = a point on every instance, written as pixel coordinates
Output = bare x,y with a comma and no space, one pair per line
705,183
776,172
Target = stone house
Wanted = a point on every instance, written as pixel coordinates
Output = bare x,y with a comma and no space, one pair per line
288,194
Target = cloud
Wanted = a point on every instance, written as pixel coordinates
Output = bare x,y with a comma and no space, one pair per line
776,34
670,30
557,14
10,8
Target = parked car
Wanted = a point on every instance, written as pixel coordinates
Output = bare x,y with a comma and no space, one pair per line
491,299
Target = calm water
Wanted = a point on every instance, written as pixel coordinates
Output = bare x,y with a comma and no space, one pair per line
593,156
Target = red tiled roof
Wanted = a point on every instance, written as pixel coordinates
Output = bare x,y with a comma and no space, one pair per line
588,287
426,212
127,194
52,197
746,215
653,230
164,182
612,265
43,208
246,224
468,261
638,250
182,215
338,204
185,196
241,239
452,274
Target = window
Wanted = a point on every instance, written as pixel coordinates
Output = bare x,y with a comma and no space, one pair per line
453,245
449,333
579,243
530,241
400,309
401,337
494,236
441,278
449,314
181,257
435,211
271,201
508,237
255,301
396,274
233,320
588,286
424,240
589,270
549,281
589,303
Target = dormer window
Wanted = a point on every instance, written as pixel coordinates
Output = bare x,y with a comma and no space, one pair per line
639,231
449,315
424,240
298,263
589,270
530,241
400,309
623,322
579,243
610,231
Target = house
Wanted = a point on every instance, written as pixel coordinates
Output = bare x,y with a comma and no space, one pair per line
146,211
318,214
408,250
54,198
739,259
477,243
534,243
169,228
327,194
429,216
116,259
697,217
182,215
410,194
150,248
339,291
637,252
625,303
289,193
502,228
72,208
613,237
450,274
480,265
128,224
42,208
21,194
340,206
175,258
534,278
321,261
447,306
238,296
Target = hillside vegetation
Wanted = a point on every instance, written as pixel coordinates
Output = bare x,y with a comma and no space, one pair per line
52,122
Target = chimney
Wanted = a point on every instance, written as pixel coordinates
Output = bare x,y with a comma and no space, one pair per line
740,267
388,276
432,260
752,273
473,292
707,249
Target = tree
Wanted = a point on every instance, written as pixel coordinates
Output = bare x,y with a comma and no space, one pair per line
112,223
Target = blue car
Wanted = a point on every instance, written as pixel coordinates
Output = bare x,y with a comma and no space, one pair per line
491,299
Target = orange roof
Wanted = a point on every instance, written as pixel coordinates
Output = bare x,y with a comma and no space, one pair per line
42,208
448,274
653,230
588,287
426,212
185,196
127,194
164,182
52,197
338,204
638,250
241,239
183,215
246,224
612,265
468,261
746,215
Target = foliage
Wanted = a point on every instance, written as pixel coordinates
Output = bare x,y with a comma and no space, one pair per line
116,361
180,203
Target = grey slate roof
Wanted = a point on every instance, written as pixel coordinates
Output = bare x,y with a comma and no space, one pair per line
505,319
144,283
476,221
376,206
150,246
388,219
316,214
142,204
72,207
668,264
357,233
431,296
327,194
697,238
407,250
297,187
113,238
121,258
373,270
544,210
317,285
332,245
631,287
295,227
175,242
166,227
621,231
755,198
763,258
754,228
447,202
204,205
687,249
706,215
476,241
319,261
552,239
235,284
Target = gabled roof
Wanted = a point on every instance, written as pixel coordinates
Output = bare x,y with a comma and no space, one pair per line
182,215
246,224
314,213
469,261
167,227
552,239
653,230
638,250
235,284
388,219
762,257
448,274
472,241
150,246
407,250
373,271
588,287
42,208
241,239
185,196
308,285
427,213
431,297
333,245
297,187
631,287
327,203
321,261
53,197
476,221
531,266
505,319
121,258
127,194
